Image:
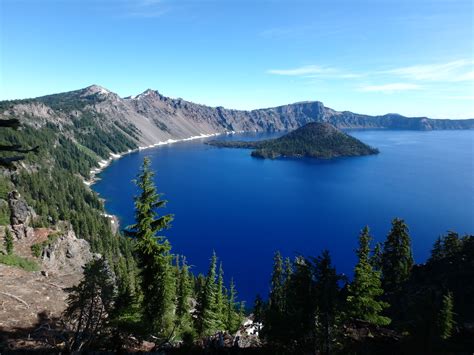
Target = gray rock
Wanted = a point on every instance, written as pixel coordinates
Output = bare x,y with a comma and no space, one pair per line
21,213
67,254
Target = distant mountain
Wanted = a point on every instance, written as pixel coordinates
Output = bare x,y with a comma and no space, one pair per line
150,117
315,140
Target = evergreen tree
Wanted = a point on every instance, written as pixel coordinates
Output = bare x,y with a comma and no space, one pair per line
327,304
208,316
274,328
154,258
183,299
8,241
277,292
364,291
298,318
258,311
437,253
220,300
232,319
89,305
446,321
376,258
452,244
397,257
446,246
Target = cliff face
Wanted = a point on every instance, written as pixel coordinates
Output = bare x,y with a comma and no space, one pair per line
150,117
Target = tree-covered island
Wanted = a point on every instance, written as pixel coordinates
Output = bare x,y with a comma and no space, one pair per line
315,140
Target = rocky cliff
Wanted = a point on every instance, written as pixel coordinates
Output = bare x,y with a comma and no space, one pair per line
150,117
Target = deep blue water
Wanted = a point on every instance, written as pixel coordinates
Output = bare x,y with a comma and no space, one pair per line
246,208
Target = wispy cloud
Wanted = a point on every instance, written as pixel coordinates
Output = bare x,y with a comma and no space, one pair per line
389,88
461,97
302,71
459,70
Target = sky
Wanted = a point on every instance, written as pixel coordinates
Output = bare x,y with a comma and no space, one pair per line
413,57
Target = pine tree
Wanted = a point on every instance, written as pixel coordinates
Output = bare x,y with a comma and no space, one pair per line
297,320
451,244
232,319
220,300
446,321
89,305
437,253
183,299
258,311
274,328
376,258
397,257
327,305
365,289
154,258
277,293
8,241
208,317
446,246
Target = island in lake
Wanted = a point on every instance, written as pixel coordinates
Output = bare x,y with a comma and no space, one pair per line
315,140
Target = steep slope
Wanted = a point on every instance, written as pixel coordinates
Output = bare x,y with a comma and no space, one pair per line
315,139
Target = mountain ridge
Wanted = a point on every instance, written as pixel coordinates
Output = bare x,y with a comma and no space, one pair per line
150,117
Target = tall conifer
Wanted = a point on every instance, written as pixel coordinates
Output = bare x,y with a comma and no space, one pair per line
364,291
154,258
446,321
183,299
397,257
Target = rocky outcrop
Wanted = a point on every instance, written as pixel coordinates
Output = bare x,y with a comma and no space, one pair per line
21,215
66,254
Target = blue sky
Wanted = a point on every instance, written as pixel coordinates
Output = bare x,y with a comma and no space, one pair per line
410,57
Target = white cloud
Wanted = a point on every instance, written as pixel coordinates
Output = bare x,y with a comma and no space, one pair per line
389,88
301,71
459,70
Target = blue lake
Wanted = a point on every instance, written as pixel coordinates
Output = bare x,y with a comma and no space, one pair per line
246,208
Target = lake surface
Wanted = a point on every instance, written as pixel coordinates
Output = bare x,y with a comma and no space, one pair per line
246,208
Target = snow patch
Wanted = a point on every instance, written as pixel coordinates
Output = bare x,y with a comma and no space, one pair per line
106,162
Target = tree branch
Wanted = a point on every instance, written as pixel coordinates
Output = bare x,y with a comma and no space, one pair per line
15,298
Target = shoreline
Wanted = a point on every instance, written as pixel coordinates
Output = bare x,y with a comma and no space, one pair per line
104,163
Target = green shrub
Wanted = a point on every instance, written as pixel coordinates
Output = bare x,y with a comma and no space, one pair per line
4,214
37,249
18,261
5,187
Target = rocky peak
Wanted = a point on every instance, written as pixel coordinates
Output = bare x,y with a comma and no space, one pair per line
99,91
149,93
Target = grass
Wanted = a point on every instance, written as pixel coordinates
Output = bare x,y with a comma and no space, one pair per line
18,261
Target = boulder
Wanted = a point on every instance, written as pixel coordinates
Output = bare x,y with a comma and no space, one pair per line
21,216
21,213
67,254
